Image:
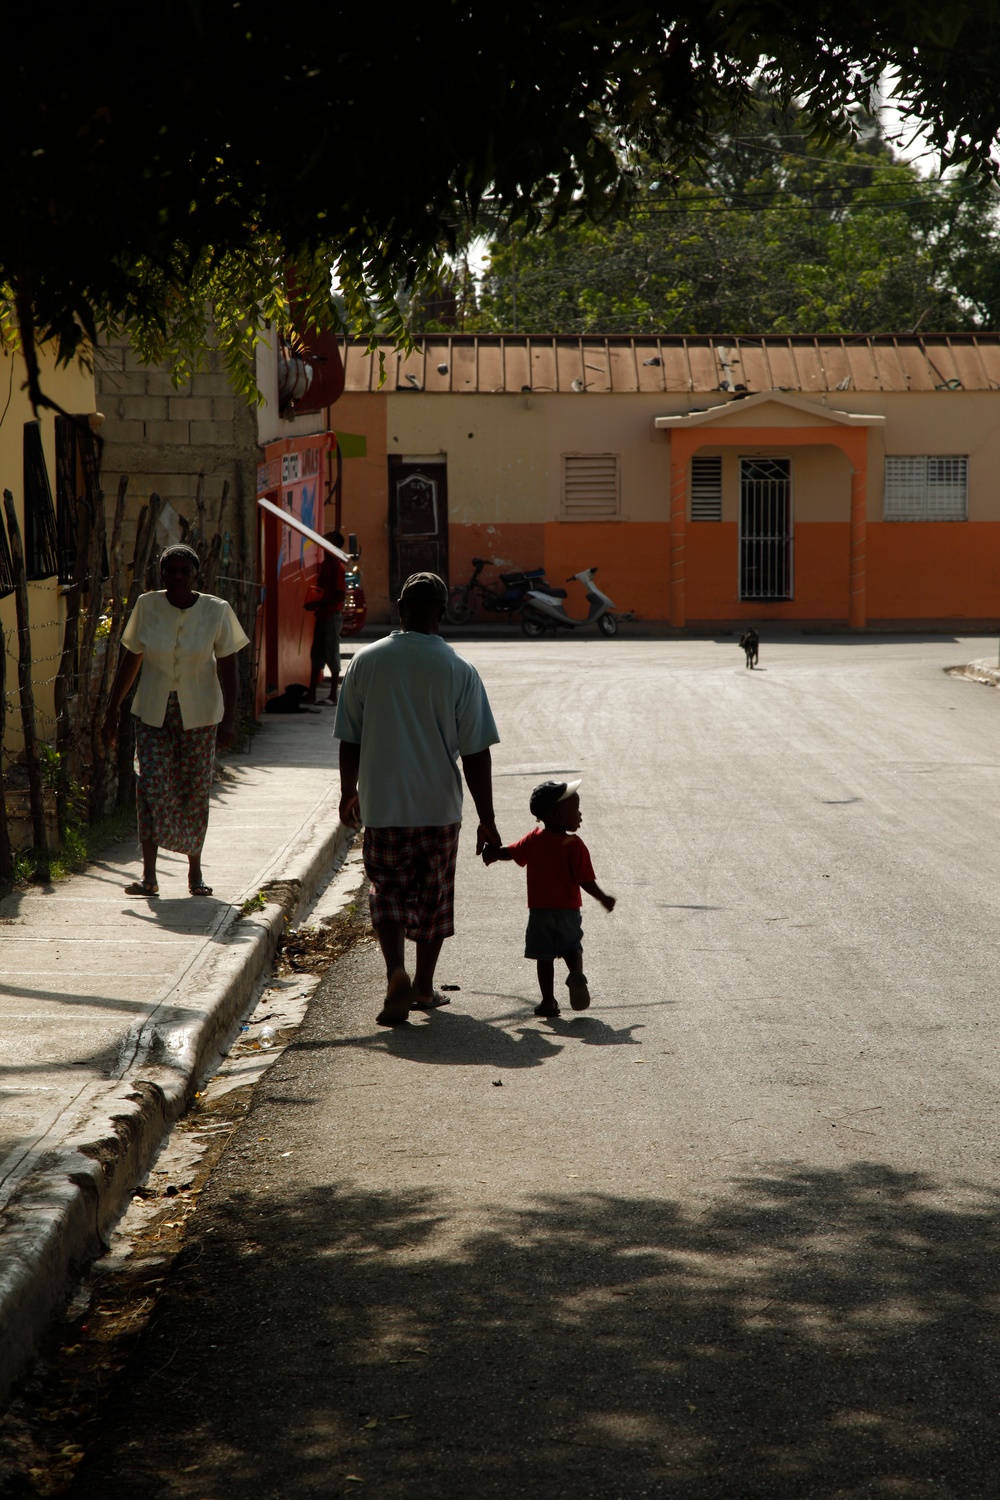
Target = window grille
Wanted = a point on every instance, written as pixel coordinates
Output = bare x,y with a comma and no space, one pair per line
765,528
591,489
41,548
926,488
706,489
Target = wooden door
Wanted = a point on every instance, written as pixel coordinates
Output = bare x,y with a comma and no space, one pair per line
418,521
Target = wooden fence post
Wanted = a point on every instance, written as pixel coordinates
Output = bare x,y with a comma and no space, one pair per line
144,538
35,790
70,664
93,583
6,853
98,761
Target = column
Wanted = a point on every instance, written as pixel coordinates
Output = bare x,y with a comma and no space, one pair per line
857,452
679,465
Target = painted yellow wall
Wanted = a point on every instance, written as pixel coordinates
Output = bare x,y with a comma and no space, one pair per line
495,448
73,389
509,469
505,452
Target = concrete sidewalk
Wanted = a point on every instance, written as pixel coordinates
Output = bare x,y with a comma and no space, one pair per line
112,1007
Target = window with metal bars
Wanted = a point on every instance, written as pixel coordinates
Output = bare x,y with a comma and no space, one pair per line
591,487
765,528
706,489
41,548
926,488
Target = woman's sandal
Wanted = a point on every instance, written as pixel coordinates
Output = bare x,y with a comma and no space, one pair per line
142,888
199,888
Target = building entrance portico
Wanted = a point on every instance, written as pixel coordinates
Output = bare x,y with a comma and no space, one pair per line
767,431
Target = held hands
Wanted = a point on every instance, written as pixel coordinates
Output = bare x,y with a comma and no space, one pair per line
490,854
487,836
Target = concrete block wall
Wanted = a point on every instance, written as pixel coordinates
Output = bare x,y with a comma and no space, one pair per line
163,437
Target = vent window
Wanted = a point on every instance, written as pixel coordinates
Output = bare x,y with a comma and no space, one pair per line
926,489
706,489
591,487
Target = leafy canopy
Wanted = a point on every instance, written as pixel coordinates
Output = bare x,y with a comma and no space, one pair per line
777,236
163,169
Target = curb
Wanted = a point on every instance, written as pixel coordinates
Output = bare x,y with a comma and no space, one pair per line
82,1174
978,671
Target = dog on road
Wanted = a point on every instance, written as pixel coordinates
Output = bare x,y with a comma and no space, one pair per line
750,643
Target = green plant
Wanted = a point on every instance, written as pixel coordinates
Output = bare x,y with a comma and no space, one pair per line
80,841
104,622
253,903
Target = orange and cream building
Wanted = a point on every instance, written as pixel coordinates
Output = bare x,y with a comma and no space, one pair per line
845,482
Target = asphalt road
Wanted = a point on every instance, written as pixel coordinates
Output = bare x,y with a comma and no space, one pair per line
731,1233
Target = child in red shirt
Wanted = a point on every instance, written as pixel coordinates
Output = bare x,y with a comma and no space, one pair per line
559,868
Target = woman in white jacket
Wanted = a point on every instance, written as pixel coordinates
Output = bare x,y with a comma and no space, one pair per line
182,646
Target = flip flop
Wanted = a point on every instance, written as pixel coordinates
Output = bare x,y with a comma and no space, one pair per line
200,889
433,1002
142,888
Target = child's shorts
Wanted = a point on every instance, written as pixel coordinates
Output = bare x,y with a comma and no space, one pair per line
553,933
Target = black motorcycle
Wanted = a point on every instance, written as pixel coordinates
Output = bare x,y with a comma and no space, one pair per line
503,598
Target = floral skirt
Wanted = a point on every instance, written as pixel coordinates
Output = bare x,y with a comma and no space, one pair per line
173,768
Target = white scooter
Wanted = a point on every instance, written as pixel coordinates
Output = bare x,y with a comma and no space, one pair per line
542,612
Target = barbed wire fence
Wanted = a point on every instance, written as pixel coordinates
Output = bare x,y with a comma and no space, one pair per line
59,776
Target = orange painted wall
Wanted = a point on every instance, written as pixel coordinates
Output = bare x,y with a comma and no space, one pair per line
633,558
516,544
366,495
933,570
821,576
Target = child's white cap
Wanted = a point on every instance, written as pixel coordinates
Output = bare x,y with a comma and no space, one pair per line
548,793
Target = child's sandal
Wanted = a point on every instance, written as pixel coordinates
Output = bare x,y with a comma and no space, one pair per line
579,994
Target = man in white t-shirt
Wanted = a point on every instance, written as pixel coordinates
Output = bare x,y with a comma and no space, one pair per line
410,708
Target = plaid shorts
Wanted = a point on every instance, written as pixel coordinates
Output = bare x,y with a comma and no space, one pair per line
412,874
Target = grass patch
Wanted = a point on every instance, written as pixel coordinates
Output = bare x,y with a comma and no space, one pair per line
81,847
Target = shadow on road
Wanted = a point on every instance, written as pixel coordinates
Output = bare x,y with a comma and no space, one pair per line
812,1334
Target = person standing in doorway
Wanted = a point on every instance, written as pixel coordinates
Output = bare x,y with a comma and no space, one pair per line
182,646
327,602
410,709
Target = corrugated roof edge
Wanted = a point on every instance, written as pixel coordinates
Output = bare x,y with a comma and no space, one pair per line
680,364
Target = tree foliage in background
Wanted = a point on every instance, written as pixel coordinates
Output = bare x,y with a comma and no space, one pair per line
162,169
777,236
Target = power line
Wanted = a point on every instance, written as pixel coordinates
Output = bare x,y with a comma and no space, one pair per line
763,208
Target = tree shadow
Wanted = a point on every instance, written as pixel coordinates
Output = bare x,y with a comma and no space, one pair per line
813,1333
